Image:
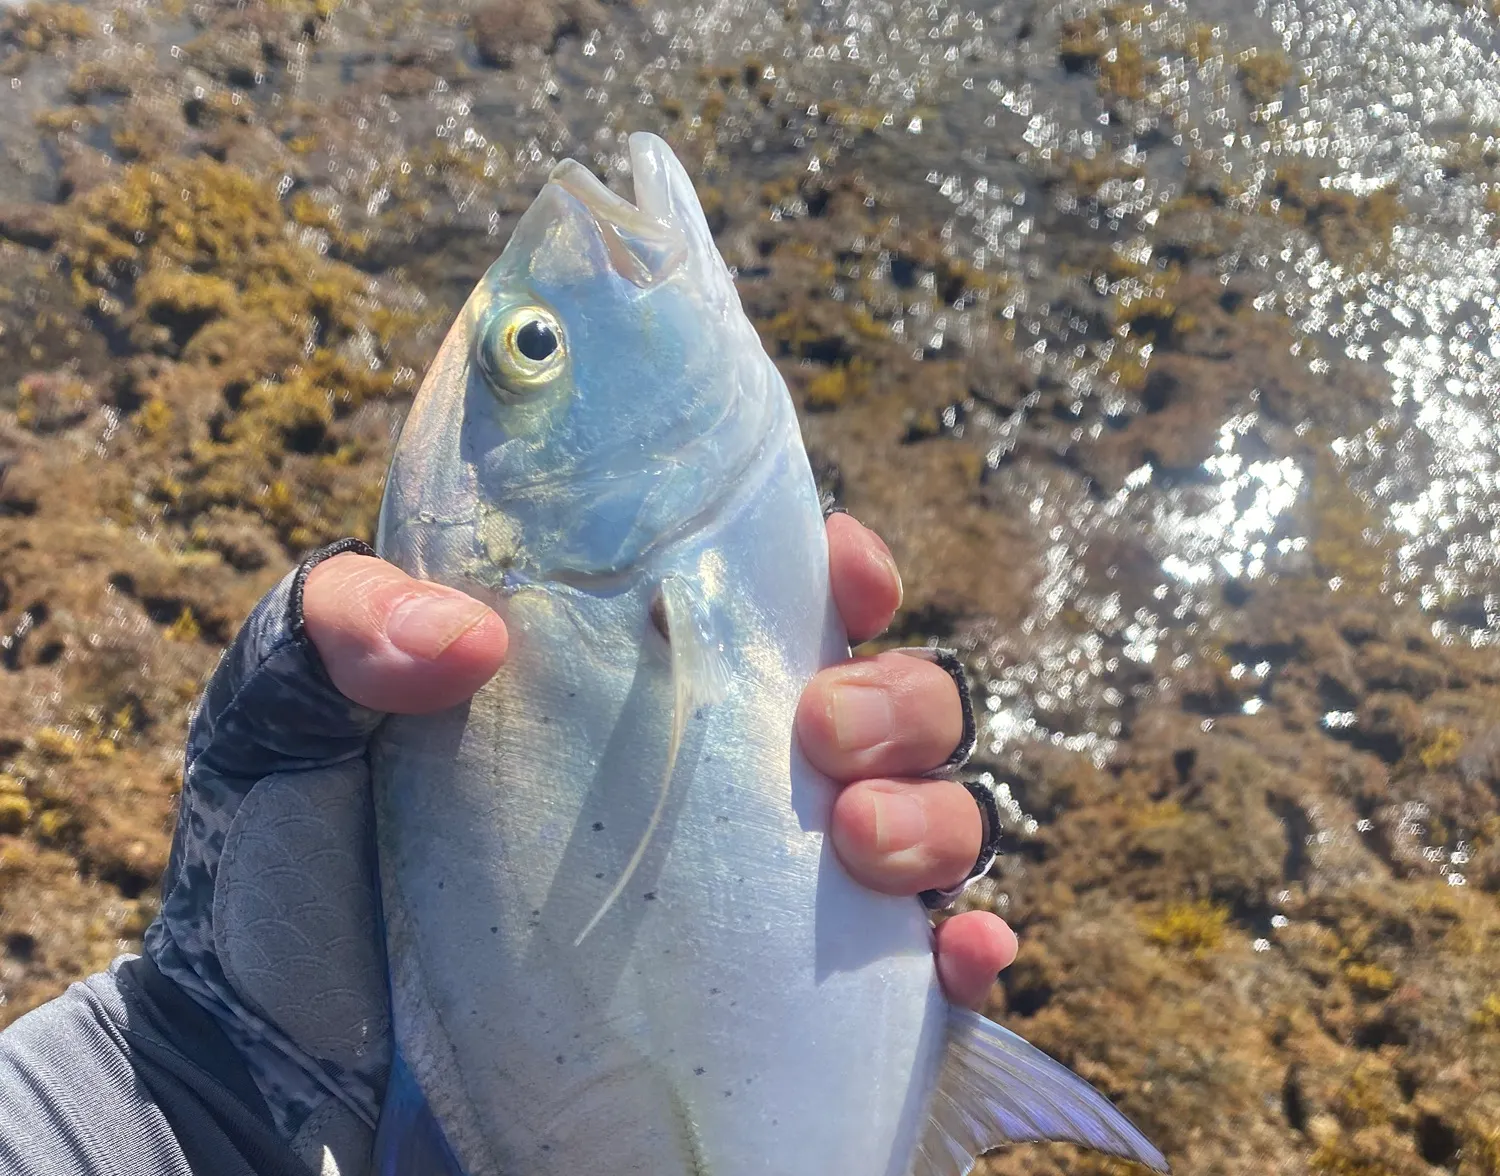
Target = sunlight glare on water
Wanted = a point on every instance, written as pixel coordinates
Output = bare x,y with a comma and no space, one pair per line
1407,92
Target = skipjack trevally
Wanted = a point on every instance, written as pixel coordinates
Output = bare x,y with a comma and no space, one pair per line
618,938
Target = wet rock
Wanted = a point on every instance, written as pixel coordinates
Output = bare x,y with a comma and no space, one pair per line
151,127
103,78
407,81
1386,667
242,539
235,56
1359,626
48,402
32,225
254,150
503,28
38,26
1388,724
84,168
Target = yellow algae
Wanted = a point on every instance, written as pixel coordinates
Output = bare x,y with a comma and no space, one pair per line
1197,927
15,813
1487,1016
56,823
1370,979
40,26
1157,816
1440,748
184,628
57,744
1263,75
828,389
154,418
1349,228
1201,44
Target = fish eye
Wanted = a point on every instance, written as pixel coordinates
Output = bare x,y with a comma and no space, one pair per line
522,349
536,340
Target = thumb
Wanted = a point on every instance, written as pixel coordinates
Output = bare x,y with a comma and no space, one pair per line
393,643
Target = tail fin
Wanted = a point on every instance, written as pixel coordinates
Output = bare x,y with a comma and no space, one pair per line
408,1141
996,1088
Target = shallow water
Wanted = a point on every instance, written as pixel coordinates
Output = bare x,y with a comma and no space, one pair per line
1175,323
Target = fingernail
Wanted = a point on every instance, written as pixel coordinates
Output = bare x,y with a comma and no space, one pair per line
861,716
890,562
426,623
900,821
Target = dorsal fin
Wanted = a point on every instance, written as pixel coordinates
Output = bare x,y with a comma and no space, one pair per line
996,1088
700,677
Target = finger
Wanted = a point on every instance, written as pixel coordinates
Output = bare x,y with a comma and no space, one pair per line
907,836
862,571
890,715
971,949
393,643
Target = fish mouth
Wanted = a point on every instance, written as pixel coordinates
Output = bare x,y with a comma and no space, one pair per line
643,240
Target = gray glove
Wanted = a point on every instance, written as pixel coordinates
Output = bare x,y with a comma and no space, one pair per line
268,916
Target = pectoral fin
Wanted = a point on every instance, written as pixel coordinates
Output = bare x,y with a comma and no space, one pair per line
996,1088
700,677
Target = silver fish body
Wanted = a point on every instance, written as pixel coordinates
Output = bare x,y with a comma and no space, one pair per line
618,938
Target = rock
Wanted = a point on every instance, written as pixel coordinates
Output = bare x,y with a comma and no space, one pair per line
30,224
1389,723
1386,667
235,56
502,28
15,812
48,402
241,538
84,168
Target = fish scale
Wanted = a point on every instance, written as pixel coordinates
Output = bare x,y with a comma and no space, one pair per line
617,934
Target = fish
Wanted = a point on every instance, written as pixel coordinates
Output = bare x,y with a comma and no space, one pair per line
618,938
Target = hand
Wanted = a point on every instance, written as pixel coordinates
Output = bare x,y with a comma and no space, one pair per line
396,644
268,911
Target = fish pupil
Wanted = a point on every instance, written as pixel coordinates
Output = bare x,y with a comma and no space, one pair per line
536,340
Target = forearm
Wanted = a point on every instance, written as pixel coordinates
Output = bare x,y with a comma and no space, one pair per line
71,1101
124,1075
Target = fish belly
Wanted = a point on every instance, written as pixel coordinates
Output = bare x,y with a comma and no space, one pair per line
744,1007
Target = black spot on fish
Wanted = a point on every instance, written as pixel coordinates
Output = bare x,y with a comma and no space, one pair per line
599,876
494,930
440,885
598,826
572,694
546,718
699,1070
659,617
560,1059
650,895
713,992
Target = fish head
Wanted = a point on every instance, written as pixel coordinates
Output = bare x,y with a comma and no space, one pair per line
600,391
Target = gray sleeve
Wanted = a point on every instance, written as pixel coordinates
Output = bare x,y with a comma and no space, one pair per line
123,1075
71,1101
